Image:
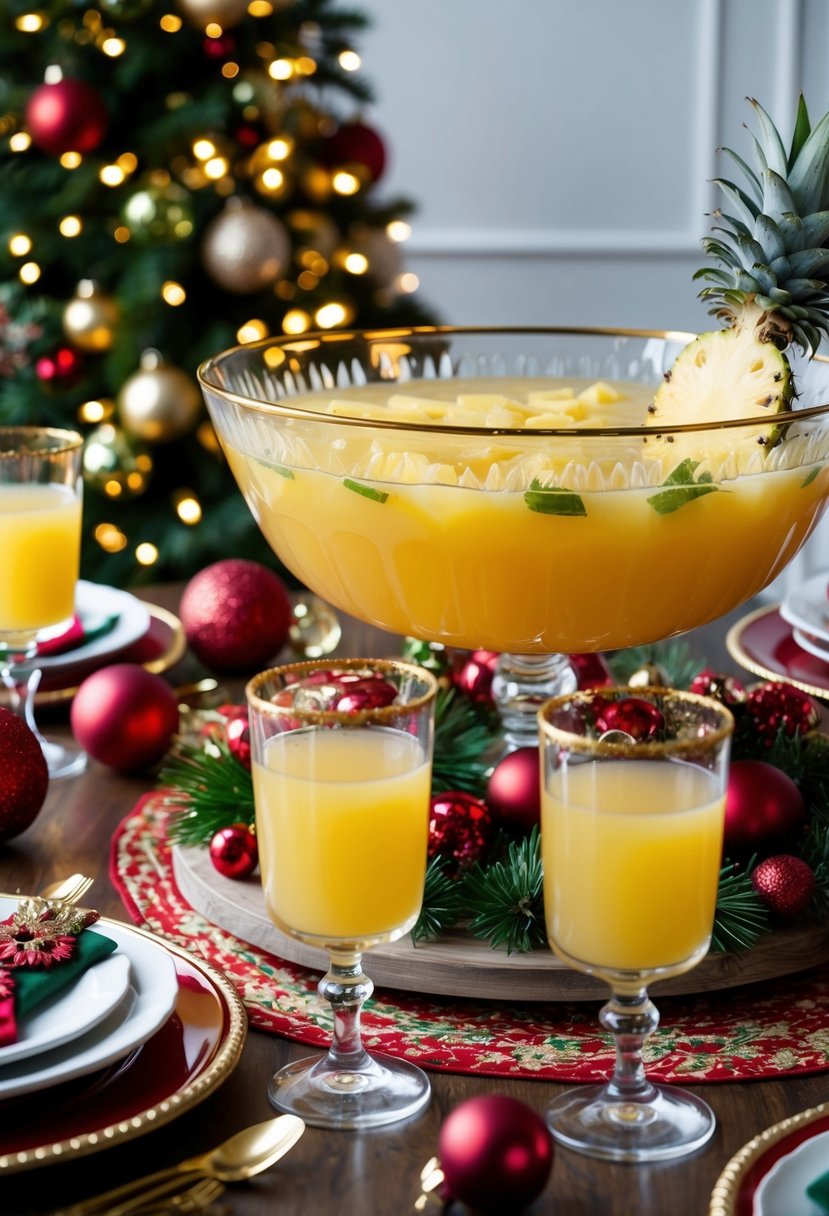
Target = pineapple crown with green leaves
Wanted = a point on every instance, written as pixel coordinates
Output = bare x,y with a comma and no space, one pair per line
772,269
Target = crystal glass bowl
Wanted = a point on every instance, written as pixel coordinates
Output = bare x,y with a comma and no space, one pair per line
501,488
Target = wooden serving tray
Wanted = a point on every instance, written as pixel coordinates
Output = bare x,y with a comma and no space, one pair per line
459,965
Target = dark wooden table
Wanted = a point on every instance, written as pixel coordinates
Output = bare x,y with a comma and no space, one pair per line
344,1173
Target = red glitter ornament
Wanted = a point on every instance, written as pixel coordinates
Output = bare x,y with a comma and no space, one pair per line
514,790
777,707
24,775
761,802
125,717
476,674
236,615
460,828
634,715
496,1153
728,690
785,884
355,145
233,851
66,116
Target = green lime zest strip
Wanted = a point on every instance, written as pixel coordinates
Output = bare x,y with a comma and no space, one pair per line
366,491
551,500
281,469
680,488
810,477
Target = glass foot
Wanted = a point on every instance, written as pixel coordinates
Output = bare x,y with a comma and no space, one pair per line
383,1090
62,759
598,1122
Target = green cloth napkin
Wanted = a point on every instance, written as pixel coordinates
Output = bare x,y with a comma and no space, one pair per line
34,985
818,1191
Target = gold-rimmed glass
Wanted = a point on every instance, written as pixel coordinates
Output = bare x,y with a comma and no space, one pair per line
533,541
632,812
41,491
342,759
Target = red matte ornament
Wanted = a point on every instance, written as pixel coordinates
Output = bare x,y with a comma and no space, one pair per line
634,715
785,884
125,717
67,116
236,615
496,1153
24,775
460,828
233,851
514,790
354,143
762,802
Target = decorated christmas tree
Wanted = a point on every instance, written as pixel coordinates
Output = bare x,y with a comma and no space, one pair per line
177,176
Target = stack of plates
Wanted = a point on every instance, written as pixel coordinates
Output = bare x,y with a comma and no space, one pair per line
141,1036
806,608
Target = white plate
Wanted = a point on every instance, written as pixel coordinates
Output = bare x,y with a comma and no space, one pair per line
807,607
93,601
148,1003
783,1190
73,1011
806,642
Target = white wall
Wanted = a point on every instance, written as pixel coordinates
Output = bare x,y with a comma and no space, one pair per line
560,153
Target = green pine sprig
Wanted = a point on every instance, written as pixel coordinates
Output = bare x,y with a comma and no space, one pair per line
207,788
674,656
741,918
443,902
464,733
505,898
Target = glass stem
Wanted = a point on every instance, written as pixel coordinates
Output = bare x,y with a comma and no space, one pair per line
346,988
522,683
630,1018
16,679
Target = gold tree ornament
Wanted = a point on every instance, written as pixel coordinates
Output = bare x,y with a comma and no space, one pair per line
117,465
90,318
159,212
202,13
159,402
245,248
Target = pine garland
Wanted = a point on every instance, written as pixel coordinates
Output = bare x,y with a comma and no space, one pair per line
505,898
741,918
208,789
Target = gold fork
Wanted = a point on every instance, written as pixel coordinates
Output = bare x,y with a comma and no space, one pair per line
194,1198
69,890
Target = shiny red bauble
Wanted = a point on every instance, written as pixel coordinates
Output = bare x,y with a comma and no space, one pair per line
513,792
233,851
476,674
125,717
496,1153
67,116
785,884
60,368
24,775
355,144
632,715
728,690
236,615
762,802
461,829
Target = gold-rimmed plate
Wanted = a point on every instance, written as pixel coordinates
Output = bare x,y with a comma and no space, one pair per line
158,649
194,1051
766,1177
764,644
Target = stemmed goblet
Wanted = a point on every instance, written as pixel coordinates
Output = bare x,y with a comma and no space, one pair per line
342,759
40,538
633,798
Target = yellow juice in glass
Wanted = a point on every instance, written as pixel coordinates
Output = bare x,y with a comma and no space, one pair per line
342,821
40,539
631,852
412,533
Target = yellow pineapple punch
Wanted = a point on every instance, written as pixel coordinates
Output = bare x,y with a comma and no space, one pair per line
541,492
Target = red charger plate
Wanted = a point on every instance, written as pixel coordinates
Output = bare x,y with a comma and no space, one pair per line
763,643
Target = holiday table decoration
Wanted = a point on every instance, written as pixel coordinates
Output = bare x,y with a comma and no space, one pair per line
236,615
25,775
125,717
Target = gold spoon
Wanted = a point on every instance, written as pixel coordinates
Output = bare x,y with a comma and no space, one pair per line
249,1152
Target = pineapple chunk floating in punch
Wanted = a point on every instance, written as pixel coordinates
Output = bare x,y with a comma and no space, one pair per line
770,288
